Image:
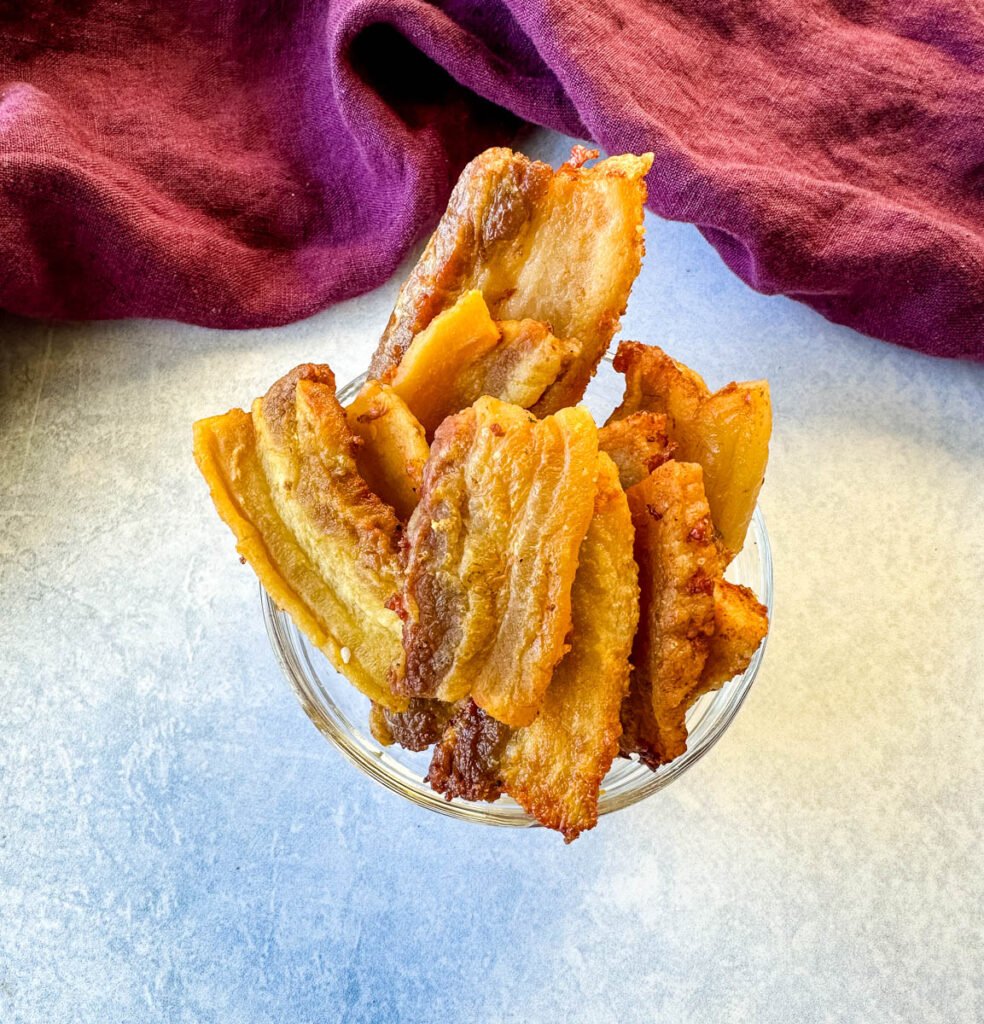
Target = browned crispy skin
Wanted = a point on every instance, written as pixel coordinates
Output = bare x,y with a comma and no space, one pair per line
562,247
554,767
678,563
655,382
740,625
392,449
416,728
322,544
492,552
490,206
308,456
727,432
637,445
464,354
466,762
524,365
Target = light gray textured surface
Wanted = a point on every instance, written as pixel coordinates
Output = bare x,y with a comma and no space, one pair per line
177,842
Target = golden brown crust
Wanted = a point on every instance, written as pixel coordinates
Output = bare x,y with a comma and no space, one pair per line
554,767
492,202
308,456
740,625
637,445
393,448
464,354
678,564
421,724
654,382
435,599
727,432
466,761
562,247
492,551
228,453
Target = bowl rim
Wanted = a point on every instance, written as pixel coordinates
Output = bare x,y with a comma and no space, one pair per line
628,781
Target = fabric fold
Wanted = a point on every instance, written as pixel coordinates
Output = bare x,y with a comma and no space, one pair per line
237,163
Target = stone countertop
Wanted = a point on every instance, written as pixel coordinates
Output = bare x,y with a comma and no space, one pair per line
178,843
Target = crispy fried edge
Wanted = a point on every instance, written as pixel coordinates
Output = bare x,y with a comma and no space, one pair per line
741,623
465,762
603,628
492,201
221,446
655,381
496,198
637,445
307,449
676,613
393,448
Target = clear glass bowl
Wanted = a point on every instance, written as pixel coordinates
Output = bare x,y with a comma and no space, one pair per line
341,713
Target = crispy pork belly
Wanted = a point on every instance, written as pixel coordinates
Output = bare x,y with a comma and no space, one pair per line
464,354
525,365
726,433
325,548
554,766
637,445
562,247
492,551
740,625
392,446
678,563
420,724
466,761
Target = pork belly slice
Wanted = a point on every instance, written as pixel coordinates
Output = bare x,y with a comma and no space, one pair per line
463,354
492,550
562,247
554,767
727,433
679,563
392,446
322,544
637,445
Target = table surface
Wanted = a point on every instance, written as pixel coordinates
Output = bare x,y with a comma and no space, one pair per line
178,843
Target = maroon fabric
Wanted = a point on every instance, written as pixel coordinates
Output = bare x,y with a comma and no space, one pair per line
247,162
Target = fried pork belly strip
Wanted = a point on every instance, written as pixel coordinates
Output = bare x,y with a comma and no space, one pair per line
418,726
727,432
525,365
464,354
740,625
562,247
678,563
554,767
393,447
492,552
466,761
428,372
324,547
637,445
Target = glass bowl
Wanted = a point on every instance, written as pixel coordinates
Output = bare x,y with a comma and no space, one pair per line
341,713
